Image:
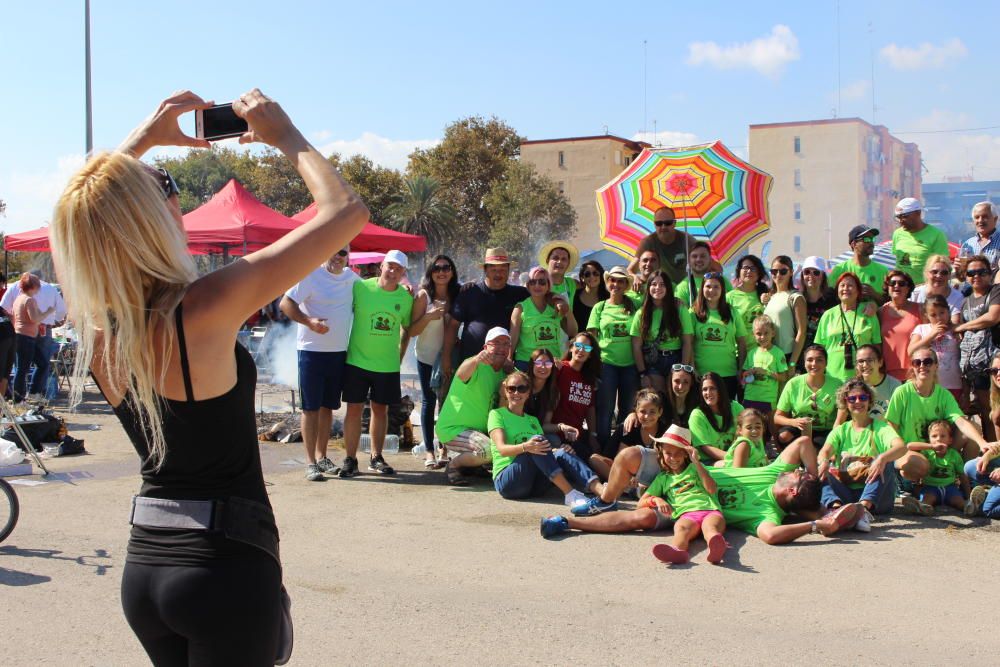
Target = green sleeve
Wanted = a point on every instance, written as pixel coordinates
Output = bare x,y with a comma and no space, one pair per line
780,365
835,440
885,437
659,486
356,289
785,400
687,326
635,327
897,406
594,321
408,315
876,329
494,421
835,273
949,405
701,431
940,246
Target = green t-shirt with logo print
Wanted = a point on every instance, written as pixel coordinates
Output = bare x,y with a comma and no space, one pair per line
375,334
746,495
715,343
944,470
911,413
612,325
516,429
667,342
913,248
684,491
799,400
538,330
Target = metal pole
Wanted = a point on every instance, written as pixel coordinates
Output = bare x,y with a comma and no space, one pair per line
86,59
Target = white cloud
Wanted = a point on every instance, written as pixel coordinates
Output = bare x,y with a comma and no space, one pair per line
392,153
667,138
768,55
924,56
31,195
954,154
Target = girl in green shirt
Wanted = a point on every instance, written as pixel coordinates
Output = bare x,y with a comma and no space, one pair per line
536,322
713,422
748,447
661,332
808,403
719,334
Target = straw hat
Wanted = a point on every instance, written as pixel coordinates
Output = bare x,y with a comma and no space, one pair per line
496,256
675,436
546,250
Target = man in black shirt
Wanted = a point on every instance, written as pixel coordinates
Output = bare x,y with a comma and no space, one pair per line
480,306
670,243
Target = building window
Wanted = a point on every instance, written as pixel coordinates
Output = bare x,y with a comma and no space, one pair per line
798,244
562,159
628,160
798,145
618,157
797,214
562,187
798,178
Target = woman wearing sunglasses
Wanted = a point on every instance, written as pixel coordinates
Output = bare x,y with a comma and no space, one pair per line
537,322
855,463
808,403
576,395
897,319
787,309
161,343
661,333
525,464
719,335
922,400
819,299
979,315
438,290
591,290
542,371
749,286
871,368
937,280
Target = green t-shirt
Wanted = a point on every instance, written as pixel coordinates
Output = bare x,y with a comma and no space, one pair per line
746,497
764,389
538,330
515,430
567,288
757,457
636,297
715,343
684,491
668,342
612,324
703,430
834,331
375,333
874,274
467,405
910,412
683,288
913,248
944,470
747,304
845,441
798,400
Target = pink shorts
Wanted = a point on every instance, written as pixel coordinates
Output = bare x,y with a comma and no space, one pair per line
699,516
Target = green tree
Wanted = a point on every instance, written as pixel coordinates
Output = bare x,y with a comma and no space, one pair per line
527,210
202,173
421,209
377,186
273,180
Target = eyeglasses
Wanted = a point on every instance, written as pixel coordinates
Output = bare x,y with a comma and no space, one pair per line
858,398
590,274
683,367
543,363
441,268
864,362
665,223
811,272
583,346
517,388
779,272
538,282
898,283
940,272
976,273
167,183
927,362
342,253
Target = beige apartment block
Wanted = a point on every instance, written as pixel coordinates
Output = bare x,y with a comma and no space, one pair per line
830,175
579,166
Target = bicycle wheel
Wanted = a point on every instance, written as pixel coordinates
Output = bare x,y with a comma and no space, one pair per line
10,509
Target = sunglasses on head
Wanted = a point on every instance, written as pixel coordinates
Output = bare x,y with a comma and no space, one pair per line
926,362
167,183
583,346
779,272
517,388
976,273
683,367
715,275
440,268
542,363
858,398
665,223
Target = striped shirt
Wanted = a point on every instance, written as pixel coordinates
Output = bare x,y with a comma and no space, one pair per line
974,246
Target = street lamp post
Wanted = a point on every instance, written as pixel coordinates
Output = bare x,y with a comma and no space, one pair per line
89,101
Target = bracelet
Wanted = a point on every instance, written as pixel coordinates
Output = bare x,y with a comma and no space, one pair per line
524,448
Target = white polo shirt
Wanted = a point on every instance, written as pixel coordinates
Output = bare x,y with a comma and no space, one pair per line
329,296
47,297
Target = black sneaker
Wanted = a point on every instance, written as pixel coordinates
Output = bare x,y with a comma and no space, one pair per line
379,465
349,468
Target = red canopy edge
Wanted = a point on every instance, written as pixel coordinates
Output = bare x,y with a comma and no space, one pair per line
374,238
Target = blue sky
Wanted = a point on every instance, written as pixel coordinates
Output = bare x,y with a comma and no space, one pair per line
383,77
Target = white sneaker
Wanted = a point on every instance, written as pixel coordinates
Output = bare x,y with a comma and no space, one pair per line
313,473
864,524
574,498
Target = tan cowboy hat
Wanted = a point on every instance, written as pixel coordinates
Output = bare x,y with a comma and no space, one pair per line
496,256
616,272
546,250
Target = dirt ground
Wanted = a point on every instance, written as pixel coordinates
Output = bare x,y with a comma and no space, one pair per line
407,569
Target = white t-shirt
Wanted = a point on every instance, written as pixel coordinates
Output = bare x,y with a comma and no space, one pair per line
46,297
325,295
954,299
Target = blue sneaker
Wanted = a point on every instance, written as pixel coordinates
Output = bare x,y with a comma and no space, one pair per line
553,525
593,506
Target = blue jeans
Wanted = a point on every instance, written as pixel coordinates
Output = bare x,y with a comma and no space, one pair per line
618,387
428,404
991,508
881,493
530,475
44,347
25,357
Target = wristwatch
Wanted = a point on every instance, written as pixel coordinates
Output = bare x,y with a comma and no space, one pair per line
813,529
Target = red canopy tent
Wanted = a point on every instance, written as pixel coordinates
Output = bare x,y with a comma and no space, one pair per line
234,222
35,240
374,238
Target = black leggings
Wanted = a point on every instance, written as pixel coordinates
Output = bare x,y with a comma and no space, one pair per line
221,613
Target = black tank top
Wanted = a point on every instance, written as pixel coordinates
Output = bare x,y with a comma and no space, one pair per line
211,454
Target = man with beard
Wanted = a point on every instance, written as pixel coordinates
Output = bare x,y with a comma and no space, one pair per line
872,274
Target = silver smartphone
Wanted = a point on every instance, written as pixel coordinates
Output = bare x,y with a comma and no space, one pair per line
218,122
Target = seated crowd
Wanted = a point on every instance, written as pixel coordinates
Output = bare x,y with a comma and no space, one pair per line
715,401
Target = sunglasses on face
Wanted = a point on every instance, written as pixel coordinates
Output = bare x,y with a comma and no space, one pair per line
543,363
441,268
858,398
995,372
538,282
517,389
926,363
583,346
590,274
940,272
779,272
747,267
665,223
167,183
342,253
976,273
811,272
898,283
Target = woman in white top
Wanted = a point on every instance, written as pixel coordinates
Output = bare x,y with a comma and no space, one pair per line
437,292
937,274
787,309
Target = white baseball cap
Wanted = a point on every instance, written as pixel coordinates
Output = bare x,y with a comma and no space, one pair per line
496,332
397,257
908,205
814,262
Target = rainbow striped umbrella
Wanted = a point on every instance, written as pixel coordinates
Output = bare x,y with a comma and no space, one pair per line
717,197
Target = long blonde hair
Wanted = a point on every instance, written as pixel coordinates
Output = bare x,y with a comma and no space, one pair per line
123,264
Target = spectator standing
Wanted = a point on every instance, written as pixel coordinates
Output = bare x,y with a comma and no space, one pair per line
914,241
872,275
980,314
787,309
897,319
559,257
937,280
819,299
986,240
846,327
671,244
28,318
48,297
592,290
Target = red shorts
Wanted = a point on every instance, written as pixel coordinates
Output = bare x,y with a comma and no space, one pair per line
699,516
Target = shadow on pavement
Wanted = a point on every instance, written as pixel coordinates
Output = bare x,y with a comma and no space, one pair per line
100,569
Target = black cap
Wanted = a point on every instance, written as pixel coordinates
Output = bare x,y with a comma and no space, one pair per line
859,231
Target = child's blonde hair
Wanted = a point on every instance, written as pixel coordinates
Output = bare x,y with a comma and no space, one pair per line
765,321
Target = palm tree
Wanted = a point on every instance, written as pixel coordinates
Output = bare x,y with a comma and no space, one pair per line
421,209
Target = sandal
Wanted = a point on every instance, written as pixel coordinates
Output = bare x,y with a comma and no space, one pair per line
455,477
441,463
430,464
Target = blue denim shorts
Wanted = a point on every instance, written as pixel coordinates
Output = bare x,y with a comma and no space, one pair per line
321,379
649,468
944,493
